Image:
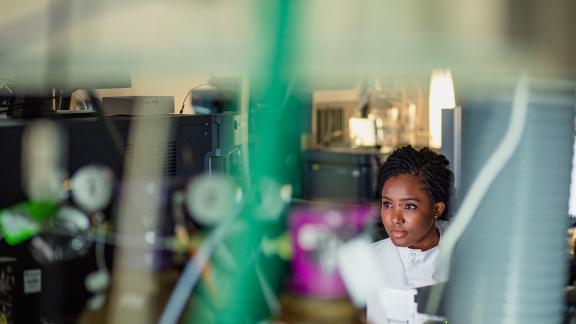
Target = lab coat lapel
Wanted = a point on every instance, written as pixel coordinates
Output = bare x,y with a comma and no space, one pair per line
394,273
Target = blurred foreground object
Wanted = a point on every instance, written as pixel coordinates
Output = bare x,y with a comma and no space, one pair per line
44,150
317,234
511,259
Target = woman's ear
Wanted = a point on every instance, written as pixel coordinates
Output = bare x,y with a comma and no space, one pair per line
439,208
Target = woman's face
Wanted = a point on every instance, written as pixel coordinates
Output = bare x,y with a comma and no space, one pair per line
408,213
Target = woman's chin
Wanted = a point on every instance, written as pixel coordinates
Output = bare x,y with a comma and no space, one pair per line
400,242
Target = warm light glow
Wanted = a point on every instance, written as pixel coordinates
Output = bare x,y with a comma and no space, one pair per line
441,96
362,132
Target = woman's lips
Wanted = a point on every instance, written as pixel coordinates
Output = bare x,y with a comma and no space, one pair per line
398,234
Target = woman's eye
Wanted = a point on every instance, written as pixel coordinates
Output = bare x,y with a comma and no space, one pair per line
386,204
410,206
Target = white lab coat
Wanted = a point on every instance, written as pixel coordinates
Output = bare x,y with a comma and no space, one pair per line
402,268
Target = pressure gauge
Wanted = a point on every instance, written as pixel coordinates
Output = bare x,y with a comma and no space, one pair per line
92,187
211,198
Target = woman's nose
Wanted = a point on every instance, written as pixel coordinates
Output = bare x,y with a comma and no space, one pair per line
397,218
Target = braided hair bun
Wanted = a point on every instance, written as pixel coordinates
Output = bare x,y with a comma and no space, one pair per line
431,167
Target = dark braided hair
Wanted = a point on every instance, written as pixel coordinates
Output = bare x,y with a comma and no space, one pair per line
431,167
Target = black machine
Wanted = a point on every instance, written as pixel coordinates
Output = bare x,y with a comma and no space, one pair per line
197,144
341,176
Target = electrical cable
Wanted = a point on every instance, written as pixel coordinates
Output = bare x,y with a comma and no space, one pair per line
126,241
21,103
10,109
11,104
4,85
191,274
189,93
285,99
15,106
100,249
481,184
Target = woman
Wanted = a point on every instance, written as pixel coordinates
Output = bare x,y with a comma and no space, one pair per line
415,187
